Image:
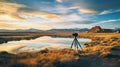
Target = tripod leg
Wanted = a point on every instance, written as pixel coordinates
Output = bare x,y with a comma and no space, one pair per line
72,43
76,45
79,44
80,47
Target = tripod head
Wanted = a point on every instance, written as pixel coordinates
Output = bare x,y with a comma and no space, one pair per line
75,34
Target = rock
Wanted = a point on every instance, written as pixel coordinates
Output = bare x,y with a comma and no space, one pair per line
95,29
98,29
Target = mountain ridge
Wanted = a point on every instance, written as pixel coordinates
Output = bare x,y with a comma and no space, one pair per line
51,30
95,29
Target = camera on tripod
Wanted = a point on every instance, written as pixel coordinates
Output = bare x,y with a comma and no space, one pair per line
75,34
75,42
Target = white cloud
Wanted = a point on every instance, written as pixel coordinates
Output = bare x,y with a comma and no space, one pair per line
14,12
60,1
69,25
82,10
109,11
105,12
57,17
106,21
44,15
87,11
72,17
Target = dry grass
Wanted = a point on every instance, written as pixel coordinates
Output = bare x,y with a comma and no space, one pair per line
65,34
97,50
100,35
59,58
93,55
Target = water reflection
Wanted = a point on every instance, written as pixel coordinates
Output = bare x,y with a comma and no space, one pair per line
40,43
5,40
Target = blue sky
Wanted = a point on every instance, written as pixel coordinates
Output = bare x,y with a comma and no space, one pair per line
59,14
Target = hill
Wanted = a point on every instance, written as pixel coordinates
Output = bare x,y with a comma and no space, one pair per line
98,29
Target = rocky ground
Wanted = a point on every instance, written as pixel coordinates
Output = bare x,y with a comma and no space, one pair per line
101,52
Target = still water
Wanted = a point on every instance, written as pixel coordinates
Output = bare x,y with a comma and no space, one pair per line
39,44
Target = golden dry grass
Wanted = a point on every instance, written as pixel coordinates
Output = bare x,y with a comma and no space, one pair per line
94,54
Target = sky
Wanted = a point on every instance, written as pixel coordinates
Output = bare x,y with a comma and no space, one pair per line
59,14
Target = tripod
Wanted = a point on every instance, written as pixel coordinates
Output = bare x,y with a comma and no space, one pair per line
76,43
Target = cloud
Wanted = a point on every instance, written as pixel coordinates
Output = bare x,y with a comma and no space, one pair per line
17,11
85,22
6,18
59,1
7,25
61,14
47,14
70,25
20,11
10,9
44,15
105,12
106,21
60,9
84,11
72,17
109,11
87,11
96,5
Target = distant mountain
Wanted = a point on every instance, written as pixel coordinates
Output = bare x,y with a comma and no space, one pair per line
4,30
52,30
69,30
21,30
34,30
98,29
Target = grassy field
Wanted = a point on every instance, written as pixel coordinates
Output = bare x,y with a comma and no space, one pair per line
64,34
102,51
90,35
